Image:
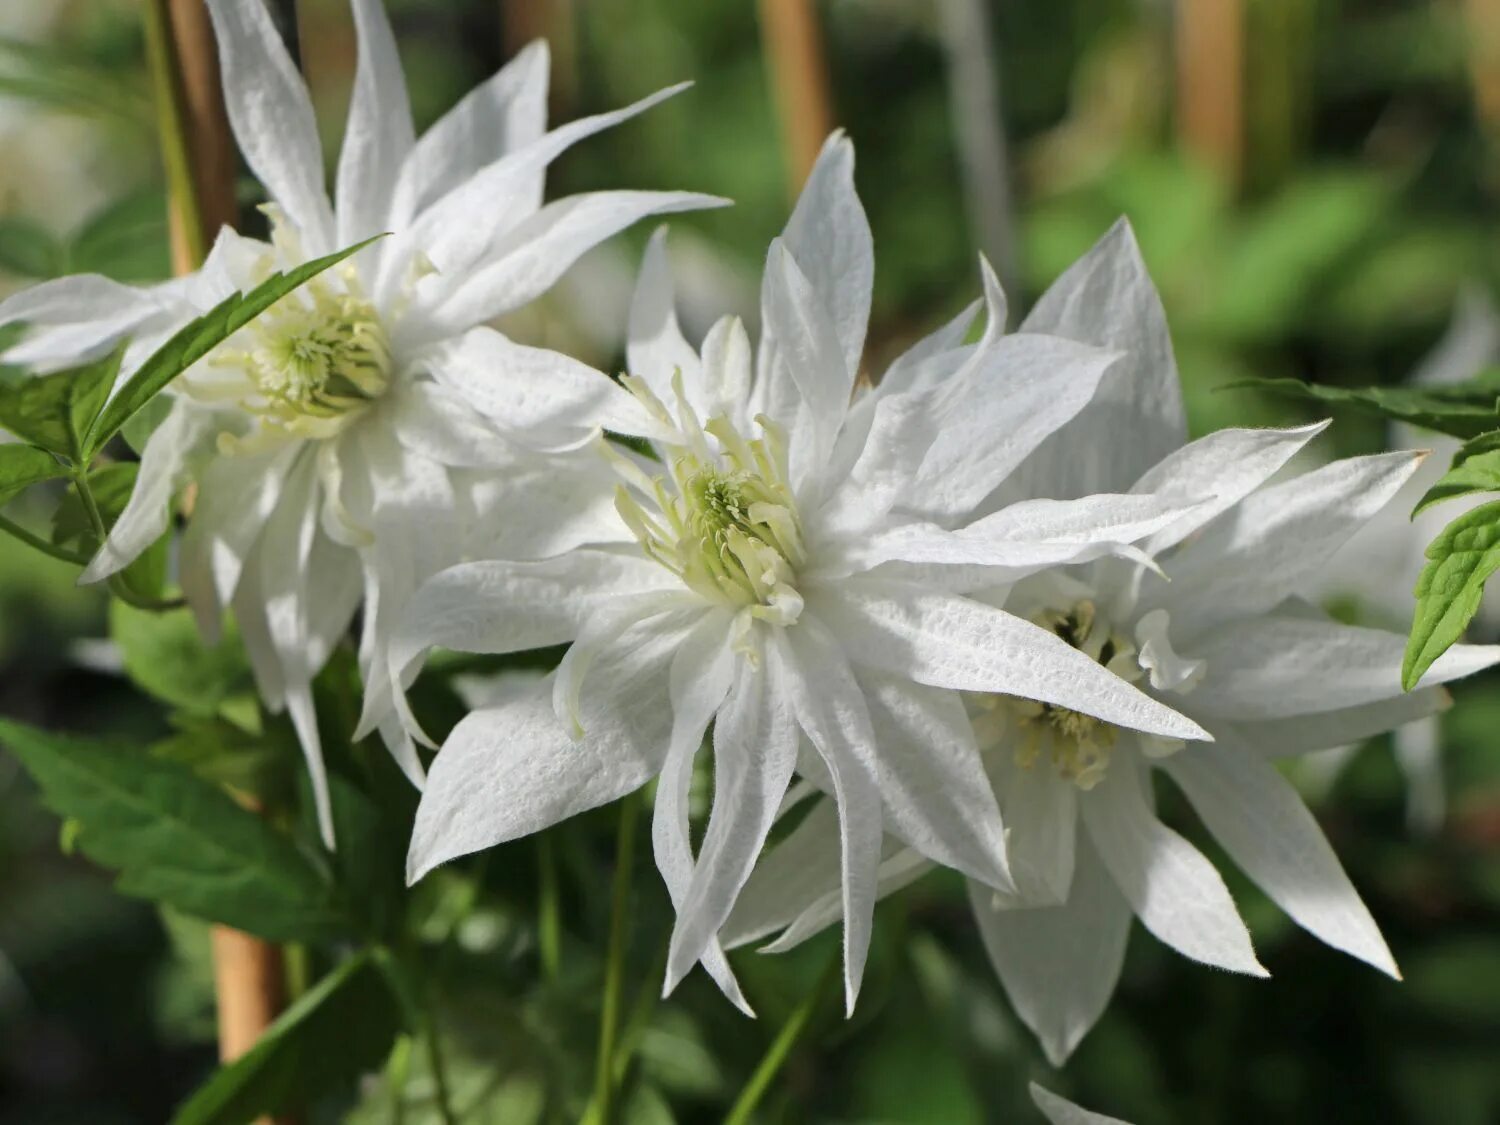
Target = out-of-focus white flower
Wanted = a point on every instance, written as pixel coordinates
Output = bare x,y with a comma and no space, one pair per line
333,457
1218,633
1059,1111
1380,567
791,568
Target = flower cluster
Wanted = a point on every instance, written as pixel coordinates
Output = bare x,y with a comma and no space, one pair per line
955,614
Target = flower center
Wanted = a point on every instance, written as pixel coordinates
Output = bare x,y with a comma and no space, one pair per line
722,518
1077,745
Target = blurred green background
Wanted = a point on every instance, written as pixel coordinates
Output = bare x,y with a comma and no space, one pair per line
1313,183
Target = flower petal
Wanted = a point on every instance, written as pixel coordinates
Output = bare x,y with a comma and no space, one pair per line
1058,964
1261,821
656,347
1174,891
1303,734
1040,810
379,135
272,117
1060,1111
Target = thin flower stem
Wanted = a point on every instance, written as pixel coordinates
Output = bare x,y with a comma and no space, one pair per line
117,584
549,925
10,527
781,1047
398,1069
614,977
439,1070
417,1006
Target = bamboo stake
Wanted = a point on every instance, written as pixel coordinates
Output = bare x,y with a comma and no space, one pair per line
249,975
794,53
1482,31
1210,82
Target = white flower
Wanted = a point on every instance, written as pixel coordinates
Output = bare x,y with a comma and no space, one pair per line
786,571
332,456
1060,1111
1219,635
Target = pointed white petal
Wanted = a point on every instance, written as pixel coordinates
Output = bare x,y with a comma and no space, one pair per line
656,347
1040,809
1058,964
1277,666
379,135
755,751
1302,734
503,114
953,642
1174,891
1059,1111
1107,299
1261,821
511,770
932,358
272,117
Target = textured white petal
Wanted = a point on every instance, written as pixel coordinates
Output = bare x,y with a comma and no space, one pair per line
511,770
656,348
164,468
932,782
540,506
73,320
755,751
1276,541
1040,809
1275,667
379,135
932,358
1059,1111
831,711
953,642
1107,299
534,254
1261,821
505,113
439,423
1302,734
727,367
272,117
1224,467
540,398
1171,887
1059,964
701,675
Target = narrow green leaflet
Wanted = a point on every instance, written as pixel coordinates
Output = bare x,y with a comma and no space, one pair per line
166,657
22,466
178,840
1464,411
196,339
343,1026
1460,560
1475,468
53,412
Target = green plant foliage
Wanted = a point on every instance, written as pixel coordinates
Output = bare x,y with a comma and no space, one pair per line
126,240
28,249
110,486
22,466
199,337
340,1028
55,412
1475,468
178,840
1464,410
1460,561
167,658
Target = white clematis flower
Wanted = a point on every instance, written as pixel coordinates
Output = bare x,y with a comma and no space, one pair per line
332,457
1219,635
775,576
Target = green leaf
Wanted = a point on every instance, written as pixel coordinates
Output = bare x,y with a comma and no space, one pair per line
341,1028
22,466
53,412
126,241
1460,560
27,249
166,657
1464,411
178,840
196,339
1475,468
111,486
255,762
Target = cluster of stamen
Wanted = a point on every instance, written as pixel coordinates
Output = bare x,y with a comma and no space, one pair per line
722,517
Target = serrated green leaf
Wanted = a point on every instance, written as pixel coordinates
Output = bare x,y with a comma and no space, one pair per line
22,466
28,249
1460,561
220,751
1475,468
1464,411
340,1028
53,412
166,657
178,840
199,337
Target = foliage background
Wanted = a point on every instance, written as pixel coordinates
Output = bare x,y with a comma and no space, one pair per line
1366,198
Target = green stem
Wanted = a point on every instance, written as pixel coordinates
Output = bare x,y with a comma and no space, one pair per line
549,925
776,1054
439,1068
10,527
397,1069
117,584
412,996
614,977
166,88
